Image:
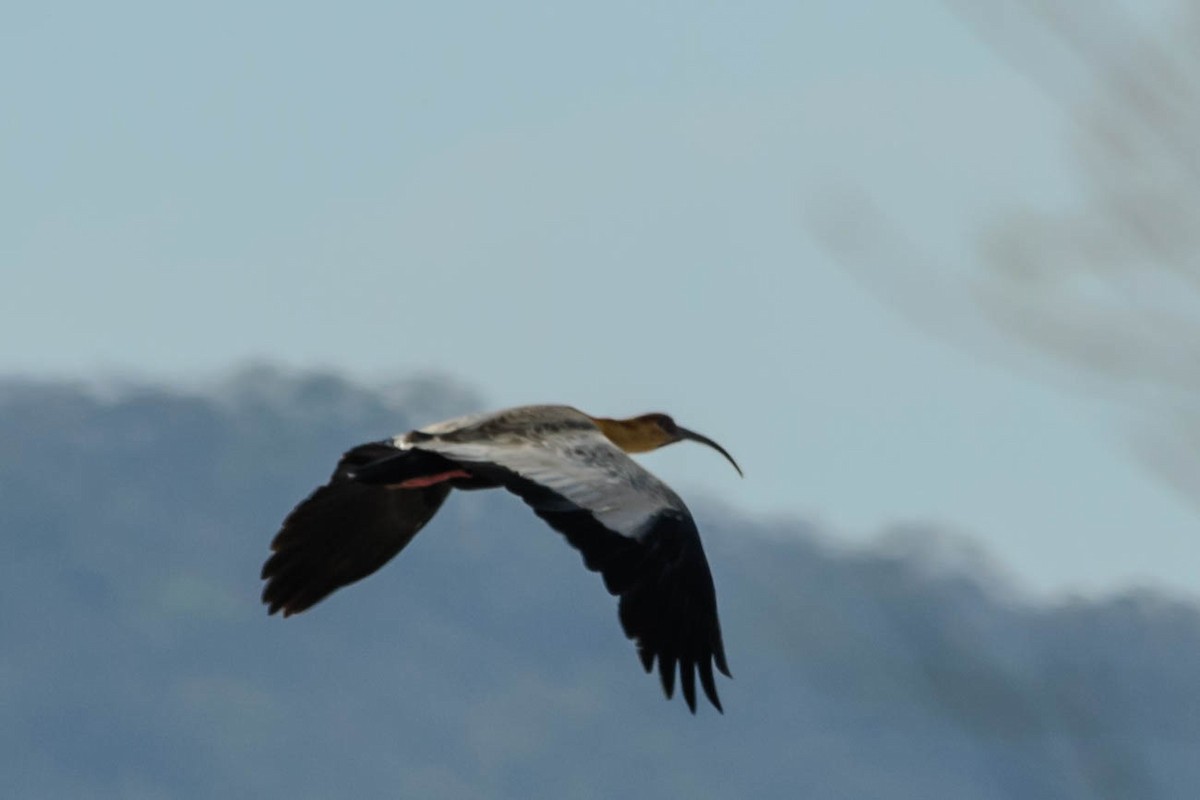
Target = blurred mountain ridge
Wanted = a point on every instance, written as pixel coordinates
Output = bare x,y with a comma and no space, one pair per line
486,662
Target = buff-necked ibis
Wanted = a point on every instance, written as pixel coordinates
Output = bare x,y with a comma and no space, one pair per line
573,471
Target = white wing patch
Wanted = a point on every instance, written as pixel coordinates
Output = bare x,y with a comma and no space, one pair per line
582,466
458,423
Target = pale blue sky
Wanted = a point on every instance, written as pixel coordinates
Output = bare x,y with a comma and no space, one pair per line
601,204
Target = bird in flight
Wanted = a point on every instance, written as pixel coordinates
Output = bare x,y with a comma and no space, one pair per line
573,471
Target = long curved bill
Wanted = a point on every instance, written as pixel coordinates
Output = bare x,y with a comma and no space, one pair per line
684,433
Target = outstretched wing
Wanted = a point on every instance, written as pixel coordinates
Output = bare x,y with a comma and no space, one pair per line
342,532
629,527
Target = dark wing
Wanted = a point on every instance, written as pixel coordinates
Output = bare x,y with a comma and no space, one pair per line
668,604
343,532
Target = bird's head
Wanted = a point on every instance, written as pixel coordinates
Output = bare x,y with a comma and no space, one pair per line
652,431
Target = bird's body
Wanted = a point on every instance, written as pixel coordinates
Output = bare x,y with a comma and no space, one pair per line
572,470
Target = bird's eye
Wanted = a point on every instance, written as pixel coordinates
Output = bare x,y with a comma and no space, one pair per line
667,424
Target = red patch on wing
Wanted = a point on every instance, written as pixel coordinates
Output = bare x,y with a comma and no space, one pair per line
430,480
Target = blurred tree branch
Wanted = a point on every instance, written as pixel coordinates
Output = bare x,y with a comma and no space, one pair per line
1109,288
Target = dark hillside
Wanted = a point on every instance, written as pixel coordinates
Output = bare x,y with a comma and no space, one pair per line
486,662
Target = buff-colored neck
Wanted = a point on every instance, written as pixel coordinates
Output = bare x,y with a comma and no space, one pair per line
633,435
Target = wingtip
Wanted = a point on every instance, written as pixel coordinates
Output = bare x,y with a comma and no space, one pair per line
666,670
687,682
709,685
275,605
722,664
